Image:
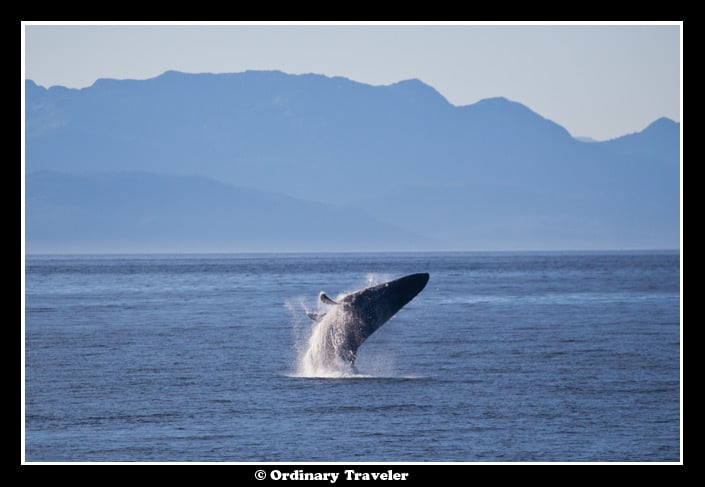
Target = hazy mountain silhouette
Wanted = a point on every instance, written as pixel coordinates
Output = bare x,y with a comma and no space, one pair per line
660,141
138,212
489,175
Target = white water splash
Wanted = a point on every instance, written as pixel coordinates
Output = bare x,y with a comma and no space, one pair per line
372,279
318,343
322,356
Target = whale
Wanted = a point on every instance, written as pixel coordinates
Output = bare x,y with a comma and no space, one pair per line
348,322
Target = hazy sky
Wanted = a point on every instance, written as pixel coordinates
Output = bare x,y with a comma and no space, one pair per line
596,81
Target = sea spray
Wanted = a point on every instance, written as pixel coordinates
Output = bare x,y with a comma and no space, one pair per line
321,356
301,325
318,343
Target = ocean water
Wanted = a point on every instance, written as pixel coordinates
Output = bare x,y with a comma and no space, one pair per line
503,357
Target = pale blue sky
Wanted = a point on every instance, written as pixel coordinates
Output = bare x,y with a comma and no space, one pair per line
596,81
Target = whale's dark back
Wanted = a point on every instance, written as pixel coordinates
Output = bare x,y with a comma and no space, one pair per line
374,306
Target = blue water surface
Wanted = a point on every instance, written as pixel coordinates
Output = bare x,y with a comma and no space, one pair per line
503,357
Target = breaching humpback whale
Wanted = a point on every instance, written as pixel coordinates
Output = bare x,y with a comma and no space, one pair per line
356,316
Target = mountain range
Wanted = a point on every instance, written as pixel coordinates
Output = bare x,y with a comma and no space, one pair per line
263,160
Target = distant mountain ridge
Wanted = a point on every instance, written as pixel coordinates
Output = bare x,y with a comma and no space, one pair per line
492,175
657,141
138,212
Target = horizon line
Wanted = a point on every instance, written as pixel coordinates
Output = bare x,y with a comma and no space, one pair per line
338,252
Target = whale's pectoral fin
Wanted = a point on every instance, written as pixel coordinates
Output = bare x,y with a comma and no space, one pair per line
315,316
324,298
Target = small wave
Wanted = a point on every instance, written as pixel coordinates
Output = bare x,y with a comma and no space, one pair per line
326,374
353,375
